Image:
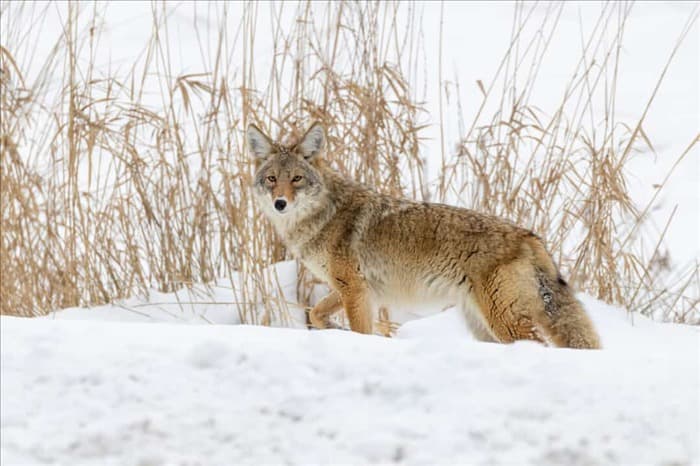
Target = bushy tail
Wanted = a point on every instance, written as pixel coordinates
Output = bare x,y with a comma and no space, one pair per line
565,320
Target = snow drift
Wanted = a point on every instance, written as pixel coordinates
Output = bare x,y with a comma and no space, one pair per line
94,392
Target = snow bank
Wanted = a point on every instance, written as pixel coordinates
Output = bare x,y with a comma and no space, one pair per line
214,303
91,392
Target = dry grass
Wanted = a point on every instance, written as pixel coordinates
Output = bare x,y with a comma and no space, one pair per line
564,174
109,189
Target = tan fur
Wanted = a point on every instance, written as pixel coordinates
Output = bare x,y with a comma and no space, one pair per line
321,313
373,249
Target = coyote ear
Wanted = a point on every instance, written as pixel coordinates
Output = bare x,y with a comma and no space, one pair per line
313,142
258,143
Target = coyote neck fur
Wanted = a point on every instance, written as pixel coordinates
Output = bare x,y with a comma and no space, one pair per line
297,230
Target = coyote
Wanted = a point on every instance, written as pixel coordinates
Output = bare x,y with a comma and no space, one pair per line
374,249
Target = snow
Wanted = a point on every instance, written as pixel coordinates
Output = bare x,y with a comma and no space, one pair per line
95,392
214,303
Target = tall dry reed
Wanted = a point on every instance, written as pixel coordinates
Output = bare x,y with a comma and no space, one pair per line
114,182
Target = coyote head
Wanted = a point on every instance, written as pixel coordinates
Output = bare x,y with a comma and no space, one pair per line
286,182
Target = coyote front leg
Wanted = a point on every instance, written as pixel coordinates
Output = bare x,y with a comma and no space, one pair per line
352,289
321,313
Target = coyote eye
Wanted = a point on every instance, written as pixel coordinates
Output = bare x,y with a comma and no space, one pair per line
271,179
296,178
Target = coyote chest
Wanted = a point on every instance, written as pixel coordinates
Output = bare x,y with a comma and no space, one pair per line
318,266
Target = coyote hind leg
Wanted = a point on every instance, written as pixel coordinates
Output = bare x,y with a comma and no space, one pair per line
509,300
473,315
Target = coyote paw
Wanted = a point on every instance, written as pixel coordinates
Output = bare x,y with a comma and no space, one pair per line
328,326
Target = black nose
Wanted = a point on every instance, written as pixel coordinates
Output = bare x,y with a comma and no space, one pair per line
280,204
